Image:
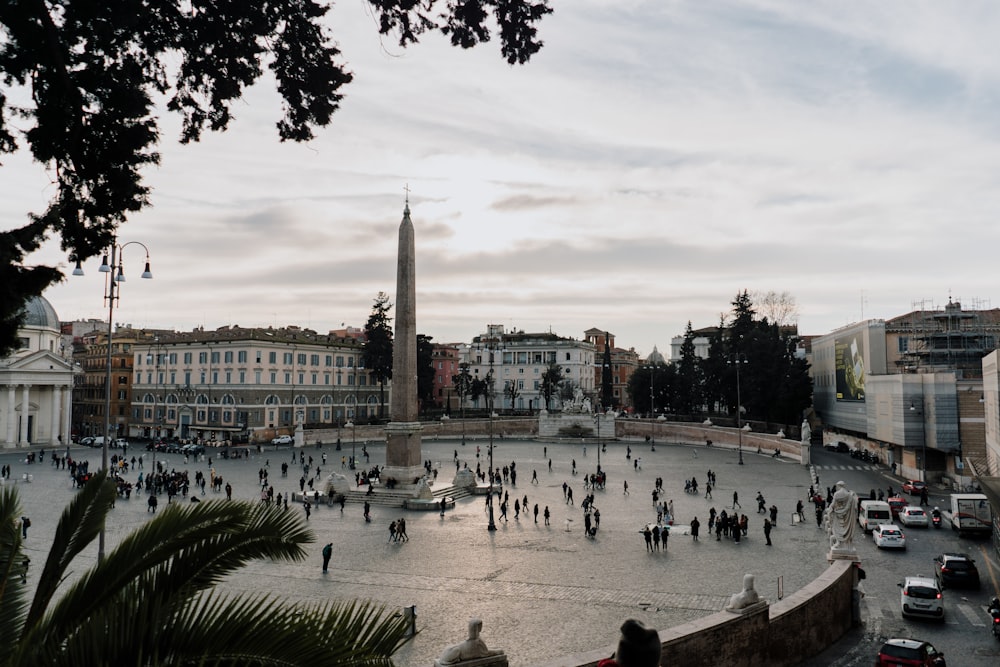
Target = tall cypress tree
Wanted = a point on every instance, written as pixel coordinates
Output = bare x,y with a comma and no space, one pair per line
378,346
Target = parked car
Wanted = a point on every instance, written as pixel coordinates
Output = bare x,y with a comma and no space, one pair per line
900,651
283,440
888,535
192,450
88,441
896,503
913,487
921,596
956,570
911,515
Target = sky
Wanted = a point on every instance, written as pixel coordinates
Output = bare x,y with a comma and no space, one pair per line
652,161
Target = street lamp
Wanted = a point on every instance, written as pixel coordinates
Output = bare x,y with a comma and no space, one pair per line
923,442
737,360
597,418
354,439
116,275
489,400
652,408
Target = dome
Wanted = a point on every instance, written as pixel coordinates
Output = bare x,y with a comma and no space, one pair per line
655,358
40,313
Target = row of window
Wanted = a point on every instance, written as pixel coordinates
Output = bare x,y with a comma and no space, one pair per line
229,399
240,356
226,377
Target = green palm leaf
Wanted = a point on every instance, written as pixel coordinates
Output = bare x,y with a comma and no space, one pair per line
13,594
151,600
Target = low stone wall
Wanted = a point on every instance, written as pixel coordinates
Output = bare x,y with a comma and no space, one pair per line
475,429
721,436
779,635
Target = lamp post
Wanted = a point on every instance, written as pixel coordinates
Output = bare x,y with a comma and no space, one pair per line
354,439
116,272
737,360
597,418
489,401
923,441
652,409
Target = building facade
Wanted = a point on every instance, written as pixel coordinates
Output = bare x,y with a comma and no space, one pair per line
36,383
623,364
445,358
912,386
520,360
235,383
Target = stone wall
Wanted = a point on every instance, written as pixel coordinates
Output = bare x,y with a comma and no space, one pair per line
721,436
780,635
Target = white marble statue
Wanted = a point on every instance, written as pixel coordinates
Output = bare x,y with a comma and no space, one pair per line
806,432
748,596
842,518
472,648
586,407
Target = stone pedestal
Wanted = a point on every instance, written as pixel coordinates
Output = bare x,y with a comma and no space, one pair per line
403,462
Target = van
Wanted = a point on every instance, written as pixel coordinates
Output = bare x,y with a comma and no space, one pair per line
873,513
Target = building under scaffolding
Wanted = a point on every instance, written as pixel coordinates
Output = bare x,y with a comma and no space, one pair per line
931,339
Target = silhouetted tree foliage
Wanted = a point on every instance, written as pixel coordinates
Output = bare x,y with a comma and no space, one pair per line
377,352
91,72
425,370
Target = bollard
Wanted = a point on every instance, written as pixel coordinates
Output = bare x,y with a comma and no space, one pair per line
410,614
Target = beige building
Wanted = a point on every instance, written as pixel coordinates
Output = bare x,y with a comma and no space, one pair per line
36,383
234,383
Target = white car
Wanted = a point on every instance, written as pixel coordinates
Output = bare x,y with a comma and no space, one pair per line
283,440
888,535
911,515
921,596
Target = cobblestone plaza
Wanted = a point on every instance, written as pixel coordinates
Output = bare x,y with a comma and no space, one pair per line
542,591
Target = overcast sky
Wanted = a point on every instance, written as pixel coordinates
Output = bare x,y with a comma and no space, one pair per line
653,160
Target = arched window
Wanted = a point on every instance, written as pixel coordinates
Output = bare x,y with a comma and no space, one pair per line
228,400
171,398
301,400
202,399
148,398
272,400
326,399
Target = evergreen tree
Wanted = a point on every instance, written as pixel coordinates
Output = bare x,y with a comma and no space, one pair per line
463,384
425,371
551,379
377,354
688,398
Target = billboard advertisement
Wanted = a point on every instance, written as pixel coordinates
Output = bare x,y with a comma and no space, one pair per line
850,366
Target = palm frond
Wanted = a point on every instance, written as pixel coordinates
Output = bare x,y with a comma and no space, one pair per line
13,593
189,548
210,629
81,522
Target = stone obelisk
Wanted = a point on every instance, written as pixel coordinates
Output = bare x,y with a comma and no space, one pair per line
403,461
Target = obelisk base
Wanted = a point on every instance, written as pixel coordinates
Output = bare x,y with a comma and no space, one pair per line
402,453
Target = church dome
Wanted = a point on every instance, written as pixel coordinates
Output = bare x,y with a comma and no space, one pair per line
655,358
40,313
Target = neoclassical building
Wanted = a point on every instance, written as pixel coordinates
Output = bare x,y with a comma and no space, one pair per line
36,383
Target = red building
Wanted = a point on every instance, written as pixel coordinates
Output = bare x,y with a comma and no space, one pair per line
445,358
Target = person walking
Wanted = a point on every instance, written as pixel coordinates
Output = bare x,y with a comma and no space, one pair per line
392,533
327,554
534,477
664,534
25,525
626,487
656,538
569,496
517,509
546,515
923,496
536,512
767,531
695,526
647,534
798,510
736,500
401,530
774,515
708,490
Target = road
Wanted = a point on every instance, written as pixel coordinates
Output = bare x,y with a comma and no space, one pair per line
965,636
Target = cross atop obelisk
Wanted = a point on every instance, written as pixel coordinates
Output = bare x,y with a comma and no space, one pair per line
403,459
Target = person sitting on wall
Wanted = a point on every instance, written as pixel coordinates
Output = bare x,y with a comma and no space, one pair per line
638,646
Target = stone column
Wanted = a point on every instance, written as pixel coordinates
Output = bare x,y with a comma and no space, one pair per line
22,440
67,416
10,440
402,455
56,406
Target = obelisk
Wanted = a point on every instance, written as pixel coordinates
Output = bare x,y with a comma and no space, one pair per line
403,461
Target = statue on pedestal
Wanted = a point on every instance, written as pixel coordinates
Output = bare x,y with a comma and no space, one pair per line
745,598
472,649
842,519
806,432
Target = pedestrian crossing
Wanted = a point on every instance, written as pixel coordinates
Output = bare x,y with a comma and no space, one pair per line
954,614
860,466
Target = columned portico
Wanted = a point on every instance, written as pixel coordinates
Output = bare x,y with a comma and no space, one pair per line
22,440
9,440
